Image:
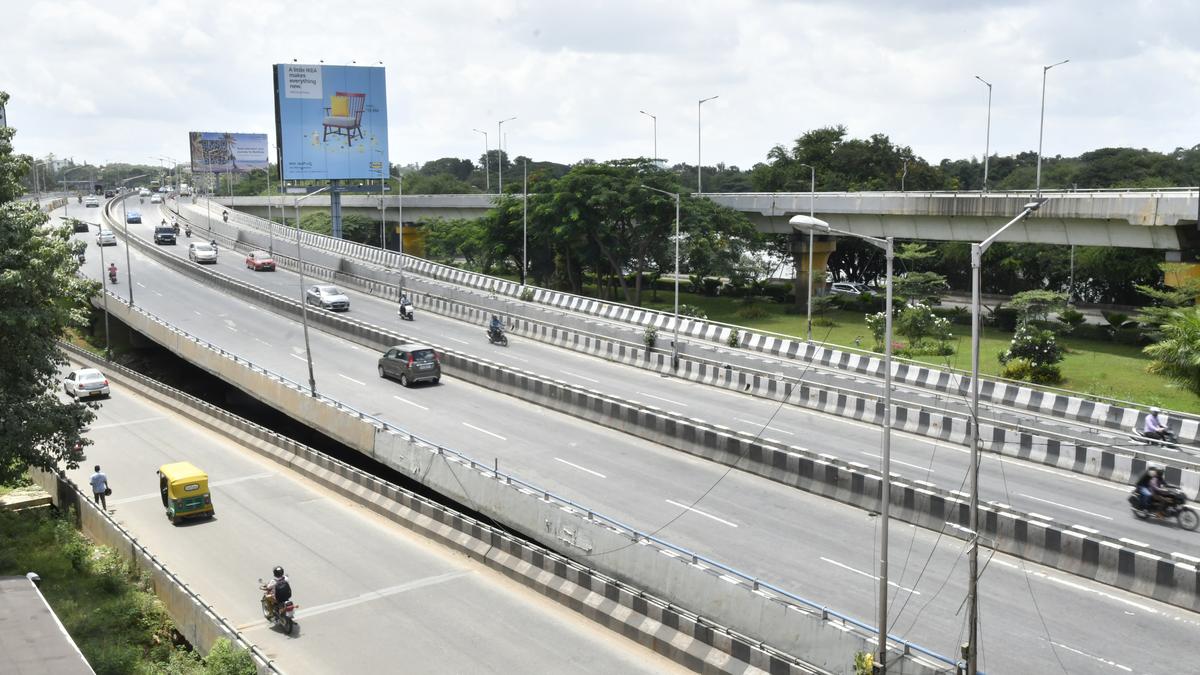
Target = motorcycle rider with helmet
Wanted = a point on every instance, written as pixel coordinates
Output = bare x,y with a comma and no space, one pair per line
112,272
1153,426
278,590
1149,485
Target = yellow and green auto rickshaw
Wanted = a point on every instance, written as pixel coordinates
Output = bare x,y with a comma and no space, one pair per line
184,491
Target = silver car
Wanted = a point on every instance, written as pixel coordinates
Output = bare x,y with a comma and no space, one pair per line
85,383
105,237
411,363
327,297
202,253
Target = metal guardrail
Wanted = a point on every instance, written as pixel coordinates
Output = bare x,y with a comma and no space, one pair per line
592,515
254,221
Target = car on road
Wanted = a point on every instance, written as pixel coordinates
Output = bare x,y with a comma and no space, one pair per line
411,363
165,189
133,217
90,201
164,234
327,297
109,194
201,253
156,199
85,383
260,260
105,237
143,192
849,288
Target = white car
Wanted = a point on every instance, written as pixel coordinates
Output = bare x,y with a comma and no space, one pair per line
105,237
327,297
156,199
85,383
202,253
91,200
849,288
144,192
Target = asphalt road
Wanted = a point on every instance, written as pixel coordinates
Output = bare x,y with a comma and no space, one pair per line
373,596
1071,499
816,548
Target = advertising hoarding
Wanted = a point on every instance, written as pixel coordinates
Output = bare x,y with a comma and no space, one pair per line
216,152
331,121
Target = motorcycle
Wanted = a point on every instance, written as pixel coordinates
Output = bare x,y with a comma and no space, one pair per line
497,337
1169,439
112,276
406,311
141,200
188,232
82,258
1168,503
283,615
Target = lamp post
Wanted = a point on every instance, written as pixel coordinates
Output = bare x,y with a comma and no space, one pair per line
699,156
903,174
812,197
524,222
977,251
487,170
654,121
125,218
312,382
987,135
1042,124
400,229
885,471
500,154
675,339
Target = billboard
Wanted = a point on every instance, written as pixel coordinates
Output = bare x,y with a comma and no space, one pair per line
214,152
331,121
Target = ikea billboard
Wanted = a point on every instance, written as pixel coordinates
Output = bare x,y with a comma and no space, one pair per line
331,121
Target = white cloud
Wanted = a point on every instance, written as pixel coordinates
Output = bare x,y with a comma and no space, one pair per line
127,80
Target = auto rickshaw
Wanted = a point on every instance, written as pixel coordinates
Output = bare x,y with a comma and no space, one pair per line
184,490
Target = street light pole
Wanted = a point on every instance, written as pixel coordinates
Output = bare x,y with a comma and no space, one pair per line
500,155
487,170
1042,124
525,222
400,229
125,217
675,339
812,197
312,382
987,137
699,155
654,121
977,251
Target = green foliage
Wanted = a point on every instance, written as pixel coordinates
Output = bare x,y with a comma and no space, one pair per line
1071,317
650,336
40,298
1116,320
864,663
1036,305
735,338
692,311
752,311
527,295
823,303
225,659
920,287
917,256
448,240
1176,355
1005,318
1033,355
876,323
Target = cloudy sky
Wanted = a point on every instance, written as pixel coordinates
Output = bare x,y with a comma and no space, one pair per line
125,81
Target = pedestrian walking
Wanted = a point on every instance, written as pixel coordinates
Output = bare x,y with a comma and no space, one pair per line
100,488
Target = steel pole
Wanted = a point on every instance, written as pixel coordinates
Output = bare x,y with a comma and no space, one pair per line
885,496
987,136
487,169
699,157
675,340
812,197
312,382
500,155
1042,124
128,265
525,223
973,486
104,295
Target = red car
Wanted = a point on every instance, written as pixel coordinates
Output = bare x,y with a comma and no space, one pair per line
260,260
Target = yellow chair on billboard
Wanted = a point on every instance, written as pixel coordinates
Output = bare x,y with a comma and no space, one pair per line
343,117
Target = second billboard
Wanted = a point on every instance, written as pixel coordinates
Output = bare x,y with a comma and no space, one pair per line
331,121
216,152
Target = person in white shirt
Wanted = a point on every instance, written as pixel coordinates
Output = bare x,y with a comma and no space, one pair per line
99,483
1153,427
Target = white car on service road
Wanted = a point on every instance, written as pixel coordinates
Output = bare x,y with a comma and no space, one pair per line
85,382
105,237
202,253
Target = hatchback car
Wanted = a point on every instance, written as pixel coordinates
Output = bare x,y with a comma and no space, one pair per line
85,383
156,199
105,237
202,253
848,288
411,363
133,217
91,200
108,194
327,297
260,260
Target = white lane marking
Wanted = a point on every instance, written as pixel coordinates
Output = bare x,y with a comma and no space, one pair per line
212,484
1105,661
701,513
196,313
310,612
684,405
896,461
517,358
140,284
297,356
1035,514
581,468
1084,528
121,424
484,431
404,400
1186,557
1134,542
362,384
567,372
1079,587
762,426
157,293
1063,506
261,341
869,576
457,340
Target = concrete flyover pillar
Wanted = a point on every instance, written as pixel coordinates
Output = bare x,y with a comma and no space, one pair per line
823,247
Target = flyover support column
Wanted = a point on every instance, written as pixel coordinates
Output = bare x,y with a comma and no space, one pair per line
823,247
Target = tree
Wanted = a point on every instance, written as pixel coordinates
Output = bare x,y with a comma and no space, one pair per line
449,240
1181,290
355,227
920,287
40,297
1177,355
1036,305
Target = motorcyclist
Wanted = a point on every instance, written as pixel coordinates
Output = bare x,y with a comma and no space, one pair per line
1153,426
175,225
495,328
213,243
405,305
112,272
187,230
225,216
1149,486
278,590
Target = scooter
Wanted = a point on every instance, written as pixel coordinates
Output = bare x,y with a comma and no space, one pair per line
497,337
406,311
1168,503
1169,439
283,615
188,232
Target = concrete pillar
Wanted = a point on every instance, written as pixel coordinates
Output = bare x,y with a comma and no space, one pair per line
823,247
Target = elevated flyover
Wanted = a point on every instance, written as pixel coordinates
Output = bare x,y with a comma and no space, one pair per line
1162,219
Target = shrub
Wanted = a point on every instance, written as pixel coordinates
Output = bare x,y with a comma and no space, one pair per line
735,338
527,295
692,311
1046,374
752,312
1017,369
1115,319
956,315
225,659
1072,317
1039,351
918,321
650,336
1004,318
